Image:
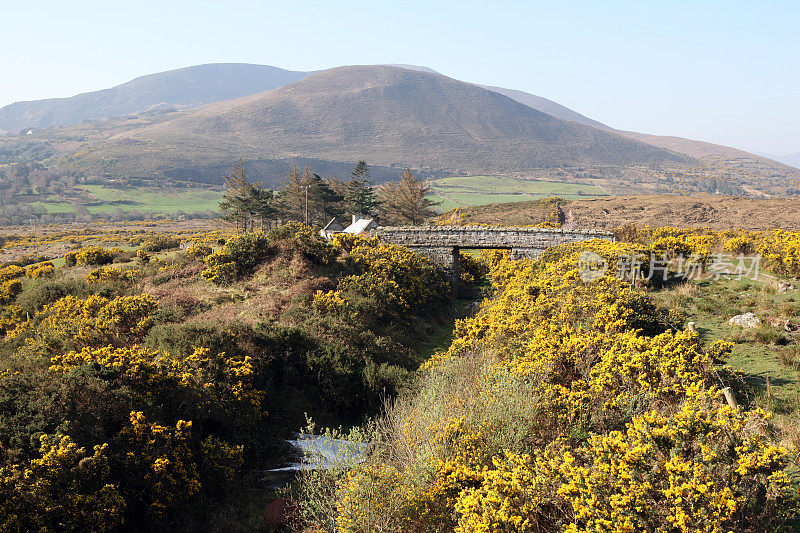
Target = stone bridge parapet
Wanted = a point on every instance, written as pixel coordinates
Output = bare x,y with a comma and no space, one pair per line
443,243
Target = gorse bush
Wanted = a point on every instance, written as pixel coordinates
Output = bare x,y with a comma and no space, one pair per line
94,256
72,322
159,243
389,281
780,250
11,272
237,258
44,269
105,274
307,240
473,270
36,294
240,255
199,251
567,405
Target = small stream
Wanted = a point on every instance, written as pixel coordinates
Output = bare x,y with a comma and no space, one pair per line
314,452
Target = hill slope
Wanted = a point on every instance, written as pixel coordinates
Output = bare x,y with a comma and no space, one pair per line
185,87
547,106
717,212
390,116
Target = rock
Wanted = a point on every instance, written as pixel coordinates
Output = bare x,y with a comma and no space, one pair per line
783,287
746,320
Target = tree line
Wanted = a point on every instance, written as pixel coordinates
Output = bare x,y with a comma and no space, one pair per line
307,197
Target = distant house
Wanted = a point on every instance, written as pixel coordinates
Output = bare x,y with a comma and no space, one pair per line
332,228
361,225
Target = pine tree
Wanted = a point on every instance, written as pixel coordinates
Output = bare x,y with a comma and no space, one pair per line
307,197
359,196
324,202
406,201
263,205
292,194
245,201
236,205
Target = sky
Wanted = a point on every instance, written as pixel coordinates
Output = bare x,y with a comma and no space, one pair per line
720,71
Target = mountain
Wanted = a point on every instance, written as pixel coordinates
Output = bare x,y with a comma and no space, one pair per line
190,124
793,160
531,100
389,116
164,91
547,106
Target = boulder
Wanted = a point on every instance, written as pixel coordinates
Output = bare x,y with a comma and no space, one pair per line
746,320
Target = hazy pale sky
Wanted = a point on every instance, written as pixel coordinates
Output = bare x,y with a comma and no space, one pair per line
720,71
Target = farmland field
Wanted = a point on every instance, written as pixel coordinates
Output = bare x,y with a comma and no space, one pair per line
480,190
144,199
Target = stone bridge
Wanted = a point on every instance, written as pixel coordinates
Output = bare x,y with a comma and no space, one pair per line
443,243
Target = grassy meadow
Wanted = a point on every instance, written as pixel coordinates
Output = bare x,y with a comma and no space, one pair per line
460,191
101,199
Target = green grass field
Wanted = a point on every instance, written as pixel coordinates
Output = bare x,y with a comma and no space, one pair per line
144,199
54,207
768,356
480,190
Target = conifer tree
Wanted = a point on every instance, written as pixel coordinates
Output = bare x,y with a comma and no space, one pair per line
359,196
308,198
244,201
235,205
406,201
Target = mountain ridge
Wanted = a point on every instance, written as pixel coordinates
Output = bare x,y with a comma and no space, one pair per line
140,144
178,88
391,116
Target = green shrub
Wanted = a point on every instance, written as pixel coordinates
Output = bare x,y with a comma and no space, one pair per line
308,241
160,243
237,259
199,251
94,256
38,293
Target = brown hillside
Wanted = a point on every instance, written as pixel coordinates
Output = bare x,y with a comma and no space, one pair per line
716,212
389,116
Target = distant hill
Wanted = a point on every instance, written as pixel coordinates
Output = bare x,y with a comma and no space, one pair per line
793,160
547,106
389,116
181,88
191,123
699,149
531,100
717,212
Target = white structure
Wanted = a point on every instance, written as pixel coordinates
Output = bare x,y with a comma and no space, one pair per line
360,226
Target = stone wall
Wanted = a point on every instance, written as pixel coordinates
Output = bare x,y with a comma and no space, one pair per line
443,243
484,237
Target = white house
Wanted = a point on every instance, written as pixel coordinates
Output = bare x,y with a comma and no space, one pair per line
360,225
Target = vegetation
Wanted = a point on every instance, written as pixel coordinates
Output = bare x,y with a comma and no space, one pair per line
406,201
462,191
359,196
571,405
146,380
143,396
